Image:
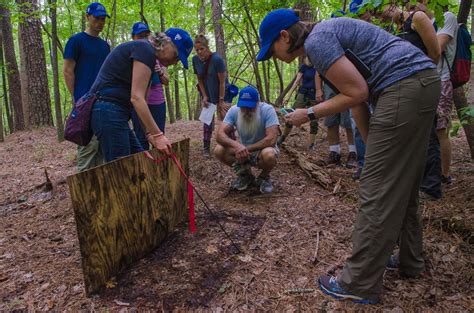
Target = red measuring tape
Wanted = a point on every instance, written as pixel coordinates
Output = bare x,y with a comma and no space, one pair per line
192,223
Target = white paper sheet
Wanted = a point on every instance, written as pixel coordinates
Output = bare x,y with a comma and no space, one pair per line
207,113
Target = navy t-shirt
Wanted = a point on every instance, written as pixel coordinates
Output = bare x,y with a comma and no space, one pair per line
308,72
89,53
211,82
114,82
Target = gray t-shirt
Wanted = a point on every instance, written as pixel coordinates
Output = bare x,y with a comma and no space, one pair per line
389,58
450,28
268,118
211,82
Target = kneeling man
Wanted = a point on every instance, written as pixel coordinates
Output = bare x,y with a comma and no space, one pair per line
258,127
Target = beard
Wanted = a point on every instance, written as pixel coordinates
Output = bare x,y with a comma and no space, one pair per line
248,123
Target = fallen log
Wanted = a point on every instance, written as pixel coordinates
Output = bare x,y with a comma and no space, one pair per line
124,209
316,172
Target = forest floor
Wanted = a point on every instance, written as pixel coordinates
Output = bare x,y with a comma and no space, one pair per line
287,239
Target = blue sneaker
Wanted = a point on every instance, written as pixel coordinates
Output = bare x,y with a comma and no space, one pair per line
330,286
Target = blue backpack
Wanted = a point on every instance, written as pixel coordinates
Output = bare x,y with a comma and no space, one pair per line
461,67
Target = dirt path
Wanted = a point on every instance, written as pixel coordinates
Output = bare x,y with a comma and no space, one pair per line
278,235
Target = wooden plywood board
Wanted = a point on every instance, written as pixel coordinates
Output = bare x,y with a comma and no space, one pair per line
124,209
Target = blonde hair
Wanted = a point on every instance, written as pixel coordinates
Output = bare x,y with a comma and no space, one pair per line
201,39
159,40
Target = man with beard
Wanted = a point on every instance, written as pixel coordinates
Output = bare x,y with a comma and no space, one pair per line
257,125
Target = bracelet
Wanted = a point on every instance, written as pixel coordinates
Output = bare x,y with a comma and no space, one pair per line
148,135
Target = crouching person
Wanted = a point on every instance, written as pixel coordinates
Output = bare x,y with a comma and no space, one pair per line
258,127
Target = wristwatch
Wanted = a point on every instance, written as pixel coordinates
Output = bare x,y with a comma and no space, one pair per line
311,114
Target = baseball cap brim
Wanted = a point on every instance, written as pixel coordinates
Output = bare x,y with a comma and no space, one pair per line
100,14
265,53
246,104
183,57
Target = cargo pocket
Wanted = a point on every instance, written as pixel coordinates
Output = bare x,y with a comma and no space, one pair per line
429,96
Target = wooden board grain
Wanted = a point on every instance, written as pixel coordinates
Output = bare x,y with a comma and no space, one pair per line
124,209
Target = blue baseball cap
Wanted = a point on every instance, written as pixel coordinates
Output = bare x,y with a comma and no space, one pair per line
139,27
183,42
248,98
355,5
270,29
96,9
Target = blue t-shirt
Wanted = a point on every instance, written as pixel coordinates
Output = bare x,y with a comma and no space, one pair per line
211,82
308,81
389,58
114,82
268,118
89,53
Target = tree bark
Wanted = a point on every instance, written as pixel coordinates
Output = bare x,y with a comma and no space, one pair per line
14,84
218,29
176,96
54,63
4,94
459,95
202,17
464,10
35,63
169,102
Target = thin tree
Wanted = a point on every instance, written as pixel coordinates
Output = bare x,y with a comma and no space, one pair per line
176,95
218,29
5,90
54,63
169,102
35,63
14,90
186,91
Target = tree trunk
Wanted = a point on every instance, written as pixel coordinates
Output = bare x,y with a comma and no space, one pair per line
114,17
35,63
176,95
459,96
202,17
25,100
255,64
5,91
280,77
14,90
464,9
54,63
4,94
169,102
186,90
460,102
218,29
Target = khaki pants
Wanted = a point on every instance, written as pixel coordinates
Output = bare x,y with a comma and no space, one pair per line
394,163
89,156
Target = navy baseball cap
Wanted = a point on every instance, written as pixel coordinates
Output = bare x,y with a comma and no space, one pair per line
270,29
248,98
183,42
139,28
96,9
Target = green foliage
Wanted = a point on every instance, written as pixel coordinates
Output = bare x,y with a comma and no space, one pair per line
466,117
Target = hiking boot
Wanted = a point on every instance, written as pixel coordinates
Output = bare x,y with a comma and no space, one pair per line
446,180
334,158
356,175
351,160
241,169
265,184
330,286
206,149
242,182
